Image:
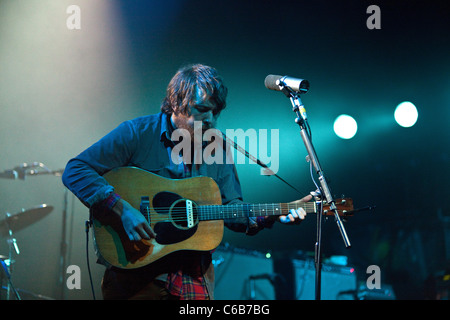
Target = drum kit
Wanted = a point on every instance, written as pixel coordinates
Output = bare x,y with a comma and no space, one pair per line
12,223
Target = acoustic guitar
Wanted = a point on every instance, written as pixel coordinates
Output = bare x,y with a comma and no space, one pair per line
186,214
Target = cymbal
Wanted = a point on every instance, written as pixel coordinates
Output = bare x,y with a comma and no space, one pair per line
23,219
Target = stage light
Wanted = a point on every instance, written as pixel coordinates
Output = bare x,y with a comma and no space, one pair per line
345,126
406,114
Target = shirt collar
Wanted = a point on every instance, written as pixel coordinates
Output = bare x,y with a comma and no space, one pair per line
166,128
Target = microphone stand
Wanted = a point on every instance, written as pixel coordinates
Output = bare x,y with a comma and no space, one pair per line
301,120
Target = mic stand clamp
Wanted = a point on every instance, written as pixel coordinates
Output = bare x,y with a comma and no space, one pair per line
299,109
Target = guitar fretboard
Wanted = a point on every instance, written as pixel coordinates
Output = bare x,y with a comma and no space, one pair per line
219,212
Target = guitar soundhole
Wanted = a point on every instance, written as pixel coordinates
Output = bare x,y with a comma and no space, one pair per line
183,214
179,223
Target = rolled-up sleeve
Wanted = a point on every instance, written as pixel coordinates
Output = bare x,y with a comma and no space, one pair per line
83,174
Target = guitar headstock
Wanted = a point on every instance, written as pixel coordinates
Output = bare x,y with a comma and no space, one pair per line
344,207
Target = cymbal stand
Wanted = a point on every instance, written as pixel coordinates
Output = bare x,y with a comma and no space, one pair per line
63,249
299,109
8,266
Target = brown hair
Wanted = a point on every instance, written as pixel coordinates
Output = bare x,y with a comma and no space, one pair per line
182,88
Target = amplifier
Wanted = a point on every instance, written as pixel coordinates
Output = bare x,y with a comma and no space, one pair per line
299,283
243,274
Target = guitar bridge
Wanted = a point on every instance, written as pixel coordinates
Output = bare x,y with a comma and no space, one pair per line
190,214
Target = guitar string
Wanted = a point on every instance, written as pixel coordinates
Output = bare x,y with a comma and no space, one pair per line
232,209
226,212
157,219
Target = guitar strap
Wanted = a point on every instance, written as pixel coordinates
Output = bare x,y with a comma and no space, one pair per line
267,170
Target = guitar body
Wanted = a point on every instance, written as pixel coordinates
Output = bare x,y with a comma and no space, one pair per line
173,234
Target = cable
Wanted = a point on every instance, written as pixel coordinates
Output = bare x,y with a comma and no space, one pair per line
318,189
88,225
257,161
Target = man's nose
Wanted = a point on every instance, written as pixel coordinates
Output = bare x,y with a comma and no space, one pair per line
208,119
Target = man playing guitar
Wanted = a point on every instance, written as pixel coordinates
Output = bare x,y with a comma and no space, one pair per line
147,258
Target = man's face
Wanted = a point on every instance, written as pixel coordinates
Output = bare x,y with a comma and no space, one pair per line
202,110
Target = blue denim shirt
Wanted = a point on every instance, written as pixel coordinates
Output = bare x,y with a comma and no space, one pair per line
145,143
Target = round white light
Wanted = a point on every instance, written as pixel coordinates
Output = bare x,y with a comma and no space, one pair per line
345,126
406,114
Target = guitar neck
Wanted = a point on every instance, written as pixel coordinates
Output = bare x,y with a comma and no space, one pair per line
220,212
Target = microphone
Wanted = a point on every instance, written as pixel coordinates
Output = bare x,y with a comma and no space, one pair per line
278,83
